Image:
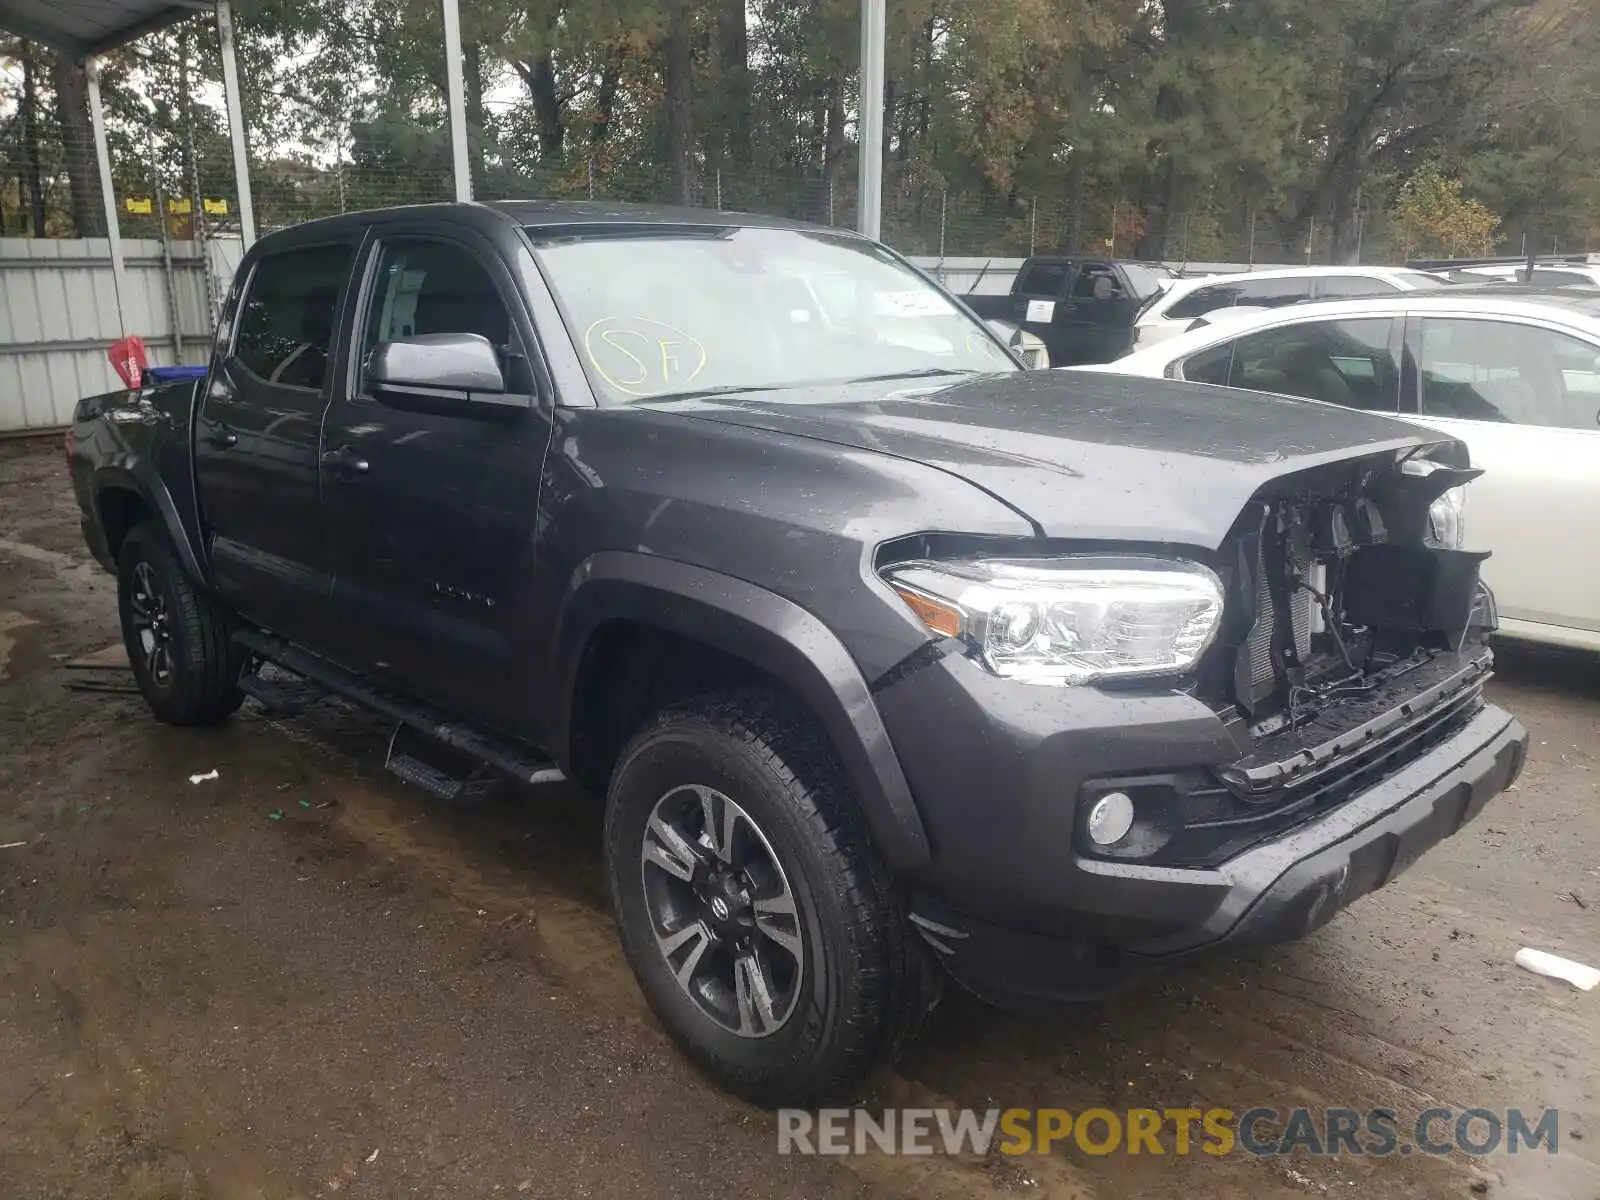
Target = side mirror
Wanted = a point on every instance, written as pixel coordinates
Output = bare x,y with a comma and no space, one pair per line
1027,346
445,365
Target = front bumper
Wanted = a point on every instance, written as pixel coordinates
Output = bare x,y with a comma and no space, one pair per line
1059,925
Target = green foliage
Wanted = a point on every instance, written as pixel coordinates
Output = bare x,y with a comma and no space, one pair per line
1432,219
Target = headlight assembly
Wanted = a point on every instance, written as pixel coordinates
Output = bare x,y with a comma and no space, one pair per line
1068,620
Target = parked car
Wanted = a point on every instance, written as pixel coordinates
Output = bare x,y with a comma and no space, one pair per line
1178,307
1513,373
887,655
1543,276
1081,308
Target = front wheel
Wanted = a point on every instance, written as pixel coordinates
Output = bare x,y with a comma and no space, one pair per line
176,636
762,928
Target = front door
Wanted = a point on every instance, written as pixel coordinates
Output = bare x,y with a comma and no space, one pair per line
256,438
1099,313
432,505
1526,400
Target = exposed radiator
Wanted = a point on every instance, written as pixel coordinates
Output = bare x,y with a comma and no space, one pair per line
1303,610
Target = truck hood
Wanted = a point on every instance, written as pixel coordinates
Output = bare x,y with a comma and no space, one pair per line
1083,455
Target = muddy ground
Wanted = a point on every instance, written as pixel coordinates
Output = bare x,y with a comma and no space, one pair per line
374,995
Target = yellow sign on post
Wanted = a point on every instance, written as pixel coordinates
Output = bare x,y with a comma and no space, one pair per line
180,206
215,207
140,204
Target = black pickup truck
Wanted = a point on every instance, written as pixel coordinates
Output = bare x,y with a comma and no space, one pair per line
891,659
1083,309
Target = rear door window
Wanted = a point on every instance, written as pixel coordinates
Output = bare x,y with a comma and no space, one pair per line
1044,279
1270,293
1347,287
286,324
1204,300
1502,371
1350,363
1210,366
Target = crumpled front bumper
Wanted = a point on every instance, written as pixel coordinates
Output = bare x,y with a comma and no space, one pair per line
1278,891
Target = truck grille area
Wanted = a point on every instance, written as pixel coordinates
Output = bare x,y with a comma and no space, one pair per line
1299,774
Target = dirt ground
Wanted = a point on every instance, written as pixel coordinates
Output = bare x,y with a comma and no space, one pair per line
307,979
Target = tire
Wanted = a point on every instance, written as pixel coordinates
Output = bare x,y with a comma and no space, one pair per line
177,637
846,981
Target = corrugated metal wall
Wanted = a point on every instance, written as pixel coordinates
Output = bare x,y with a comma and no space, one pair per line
59,313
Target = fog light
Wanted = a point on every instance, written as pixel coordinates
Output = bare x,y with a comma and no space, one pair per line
1110,818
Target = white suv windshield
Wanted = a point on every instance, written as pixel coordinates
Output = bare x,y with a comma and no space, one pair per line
668,311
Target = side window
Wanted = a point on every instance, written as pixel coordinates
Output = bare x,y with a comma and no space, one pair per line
1098,281
1271,293
285,325
1500,371
424,287
1210,366
1044,279
1204,300
1345,287
1338,362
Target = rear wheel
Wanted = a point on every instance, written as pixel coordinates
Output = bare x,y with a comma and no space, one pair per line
176,636
762,928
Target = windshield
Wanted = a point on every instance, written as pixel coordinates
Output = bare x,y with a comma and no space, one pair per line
1148,281
671,311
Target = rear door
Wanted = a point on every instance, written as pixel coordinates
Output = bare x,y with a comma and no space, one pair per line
430,500
1039,302
1525,398
1355,363
256,436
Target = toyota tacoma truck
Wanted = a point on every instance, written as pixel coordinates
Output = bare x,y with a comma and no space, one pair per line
892,660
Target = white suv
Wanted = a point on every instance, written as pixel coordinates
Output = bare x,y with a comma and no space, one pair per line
1175,310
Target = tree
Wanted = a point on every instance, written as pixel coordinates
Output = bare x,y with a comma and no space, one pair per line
1432,219
77,145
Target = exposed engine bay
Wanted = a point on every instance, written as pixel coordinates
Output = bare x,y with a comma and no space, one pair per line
1342,588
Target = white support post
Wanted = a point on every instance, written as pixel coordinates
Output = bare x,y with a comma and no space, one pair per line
241,157
456,100
102,154
869,119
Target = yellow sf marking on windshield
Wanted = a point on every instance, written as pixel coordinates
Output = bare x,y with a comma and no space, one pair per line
634,370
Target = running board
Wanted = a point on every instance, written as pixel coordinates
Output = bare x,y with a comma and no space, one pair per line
509,760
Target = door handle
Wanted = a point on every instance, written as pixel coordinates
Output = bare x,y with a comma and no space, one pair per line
345,461
222,438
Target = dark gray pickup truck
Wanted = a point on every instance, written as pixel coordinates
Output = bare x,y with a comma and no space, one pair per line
891,659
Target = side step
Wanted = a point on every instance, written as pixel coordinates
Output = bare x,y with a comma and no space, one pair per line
408,757
508,759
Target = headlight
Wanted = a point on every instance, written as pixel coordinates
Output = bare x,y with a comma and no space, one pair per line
1068,620
1447,520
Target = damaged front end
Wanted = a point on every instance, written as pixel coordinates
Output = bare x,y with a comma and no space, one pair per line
1354,639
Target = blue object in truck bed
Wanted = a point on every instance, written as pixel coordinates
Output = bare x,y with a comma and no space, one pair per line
174,374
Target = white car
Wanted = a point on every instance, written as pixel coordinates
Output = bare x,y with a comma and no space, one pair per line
1514,376
1178,306
1545,275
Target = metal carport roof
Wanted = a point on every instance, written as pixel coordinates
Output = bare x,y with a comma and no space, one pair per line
85,27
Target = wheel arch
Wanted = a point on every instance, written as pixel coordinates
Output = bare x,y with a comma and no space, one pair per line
744,628
126,494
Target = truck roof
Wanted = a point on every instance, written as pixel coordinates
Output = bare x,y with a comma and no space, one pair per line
551,213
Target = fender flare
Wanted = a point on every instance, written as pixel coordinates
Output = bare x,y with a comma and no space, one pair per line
133,474
770,633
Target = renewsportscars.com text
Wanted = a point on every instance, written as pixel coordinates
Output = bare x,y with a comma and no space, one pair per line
1378,1132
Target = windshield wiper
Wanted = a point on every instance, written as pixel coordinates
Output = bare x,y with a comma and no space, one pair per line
725,389
918,373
